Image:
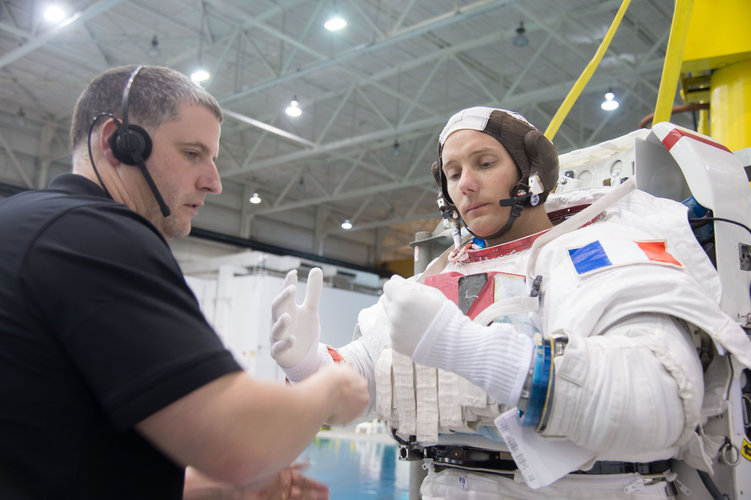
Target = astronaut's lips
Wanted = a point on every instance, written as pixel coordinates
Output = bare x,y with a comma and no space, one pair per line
475,206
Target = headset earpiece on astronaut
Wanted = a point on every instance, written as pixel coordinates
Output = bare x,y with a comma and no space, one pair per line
131,144
541,155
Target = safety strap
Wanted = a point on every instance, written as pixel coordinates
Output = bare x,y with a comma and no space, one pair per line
467,457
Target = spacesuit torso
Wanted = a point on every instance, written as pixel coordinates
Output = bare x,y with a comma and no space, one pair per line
632,290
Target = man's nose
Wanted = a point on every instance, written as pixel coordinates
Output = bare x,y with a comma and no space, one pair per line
210,180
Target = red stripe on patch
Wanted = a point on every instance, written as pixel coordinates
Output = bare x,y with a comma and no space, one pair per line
655,250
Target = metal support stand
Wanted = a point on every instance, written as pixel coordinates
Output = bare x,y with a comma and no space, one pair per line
416,475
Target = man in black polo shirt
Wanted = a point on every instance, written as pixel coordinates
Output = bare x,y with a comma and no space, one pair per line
111,380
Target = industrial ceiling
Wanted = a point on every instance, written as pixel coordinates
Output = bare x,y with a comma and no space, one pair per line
374,96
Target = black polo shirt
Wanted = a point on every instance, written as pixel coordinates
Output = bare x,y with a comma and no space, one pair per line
98,330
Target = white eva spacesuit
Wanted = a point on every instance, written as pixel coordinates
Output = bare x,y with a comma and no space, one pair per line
630,292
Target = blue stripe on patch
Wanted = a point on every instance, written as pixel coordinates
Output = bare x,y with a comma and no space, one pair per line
589,257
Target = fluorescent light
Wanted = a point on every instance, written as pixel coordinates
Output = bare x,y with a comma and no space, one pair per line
609,104
335,23
294,109
520,40
200,75
154,50
54,14
346,225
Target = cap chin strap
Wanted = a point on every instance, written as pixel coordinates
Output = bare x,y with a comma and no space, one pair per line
516,203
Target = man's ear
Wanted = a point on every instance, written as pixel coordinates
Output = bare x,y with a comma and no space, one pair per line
109,127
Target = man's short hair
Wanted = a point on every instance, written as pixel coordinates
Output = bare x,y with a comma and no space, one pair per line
155,96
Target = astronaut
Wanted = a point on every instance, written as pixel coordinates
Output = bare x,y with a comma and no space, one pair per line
573,342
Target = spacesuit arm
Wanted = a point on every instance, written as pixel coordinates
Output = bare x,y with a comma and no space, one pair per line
633,392
370,339
356,353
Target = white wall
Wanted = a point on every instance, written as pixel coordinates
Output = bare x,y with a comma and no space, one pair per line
239,308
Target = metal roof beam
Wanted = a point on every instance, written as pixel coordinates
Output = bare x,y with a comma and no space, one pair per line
35,43
357,52
556,91
355,193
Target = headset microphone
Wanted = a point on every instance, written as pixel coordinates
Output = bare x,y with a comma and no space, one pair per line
131,144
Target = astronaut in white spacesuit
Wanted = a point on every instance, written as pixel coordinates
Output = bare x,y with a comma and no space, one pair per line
580,340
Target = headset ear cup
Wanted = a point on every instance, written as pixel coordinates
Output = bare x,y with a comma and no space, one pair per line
543,160
532,148
131,145
440,179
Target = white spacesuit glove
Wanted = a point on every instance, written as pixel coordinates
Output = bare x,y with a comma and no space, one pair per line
433,331
411,309
296,329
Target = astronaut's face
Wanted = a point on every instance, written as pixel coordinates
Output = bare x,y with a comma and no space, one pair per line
479,172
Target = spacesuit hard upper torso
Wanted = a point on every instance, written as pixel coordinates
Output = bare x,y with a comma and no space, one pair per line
627,289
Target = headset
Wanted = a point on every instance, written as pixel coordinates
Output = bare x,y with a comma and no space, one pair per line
131,144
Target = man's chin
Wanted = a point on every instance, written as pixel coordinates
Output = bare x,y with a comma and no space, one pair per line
177,232
185,232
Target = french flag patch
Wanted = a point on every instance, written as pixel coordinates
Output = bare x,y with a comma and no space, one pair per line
602,254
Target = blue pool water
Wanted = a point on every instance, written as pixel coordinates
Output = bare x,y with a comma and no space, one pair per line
360,467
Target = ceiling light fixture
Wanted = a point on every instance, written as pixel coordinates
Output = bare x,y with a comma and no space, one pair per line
200,75
335,23
294,110
54,14
395,148
609,104
255,199
520,40
154,50
346,225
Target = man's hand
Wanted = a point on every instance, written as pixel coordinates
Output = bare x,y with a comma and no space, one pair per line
411,309
296,328
347,388
287,484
